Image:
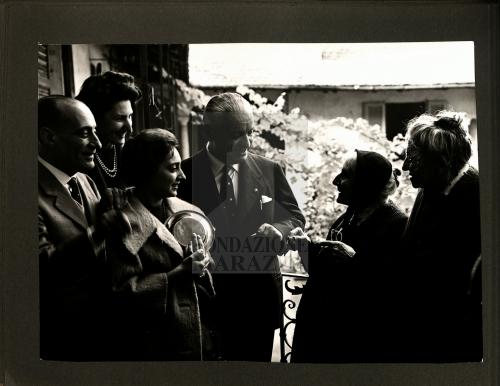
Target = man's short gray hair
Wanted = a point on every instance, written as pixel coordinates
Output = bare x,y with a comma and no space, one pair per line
225,109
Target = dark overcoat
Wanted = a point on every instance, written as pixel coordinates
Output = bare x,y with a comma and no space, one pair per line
346,311
441,245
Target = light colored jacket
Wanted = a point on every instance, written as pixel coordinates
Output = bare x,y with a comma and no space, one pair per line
158,318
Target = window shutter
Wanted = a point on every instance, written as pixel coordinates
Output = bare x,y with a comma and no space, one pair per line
43,70
50,74
374,113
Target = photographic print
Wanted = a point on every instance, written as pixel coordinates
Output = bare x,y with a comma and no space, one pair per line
260,202
258,152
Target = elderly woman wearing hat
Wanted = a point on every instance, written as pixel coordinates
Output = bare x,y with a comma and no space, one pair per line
345,311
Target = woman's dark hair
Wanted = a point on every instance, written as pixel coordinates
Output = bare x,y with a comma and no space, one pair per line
142,155
101,92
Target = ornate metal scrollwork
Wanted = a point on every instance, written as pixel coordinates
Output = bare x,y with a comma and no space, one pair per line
296,290
289,319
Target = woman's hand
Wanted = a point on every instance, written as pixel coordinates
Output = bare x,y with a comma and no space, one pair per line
199,259
298,240
338,248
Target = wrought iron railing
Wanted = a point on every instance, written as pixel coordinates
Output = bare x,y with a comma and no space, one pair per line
293,285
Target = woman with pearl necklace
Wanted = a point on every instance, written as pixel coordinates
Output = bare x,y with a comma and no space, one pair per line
111,97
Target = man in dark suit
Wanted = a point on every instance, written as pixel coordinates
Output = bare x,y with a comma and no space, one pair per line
71,233
253,209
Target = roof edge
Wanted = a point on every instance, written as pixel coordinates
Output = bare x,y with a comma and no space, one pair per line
348,87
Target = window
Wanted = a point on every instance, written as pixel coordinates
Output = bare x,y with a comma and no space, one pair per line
374,113
393,117
398,115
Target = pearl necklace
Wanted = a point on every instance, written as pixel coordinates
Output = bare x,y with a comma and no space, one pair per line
110,172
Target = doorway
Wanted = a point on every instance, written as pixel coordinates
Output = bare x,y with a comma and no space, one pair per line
397,115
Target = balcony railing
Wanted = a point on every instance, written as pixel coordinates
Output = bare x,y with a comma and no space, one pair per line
293,285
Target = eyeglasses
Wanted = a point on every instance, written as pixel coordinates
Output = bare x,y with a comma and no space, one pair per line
336,234
412,157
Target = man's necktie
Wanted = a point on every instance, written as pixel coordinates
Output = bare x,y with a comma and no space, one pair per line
75,191
227,190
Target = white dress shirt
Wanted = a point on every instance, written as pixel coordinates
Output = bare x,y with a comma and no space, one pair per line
217,167
62,177
456,179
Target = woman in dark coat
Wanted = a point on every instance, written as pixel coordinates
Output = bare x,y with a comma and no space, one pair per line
345,313
162,291
442,244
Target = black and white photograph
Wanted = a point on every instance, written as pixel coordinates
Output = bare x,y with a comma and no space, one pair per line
313,203
249,193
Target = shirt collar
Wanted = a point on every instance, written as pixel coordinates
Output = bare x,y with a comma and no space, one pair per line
216,164
62,177
456,179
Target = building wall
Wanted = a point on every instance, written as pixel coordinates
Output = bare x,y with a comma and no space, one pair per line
84,57
318,104
81,64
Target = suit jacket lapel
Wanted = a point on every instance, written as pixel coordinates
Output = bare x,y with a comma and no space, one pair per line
62,199
250,186
90,199
204,183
